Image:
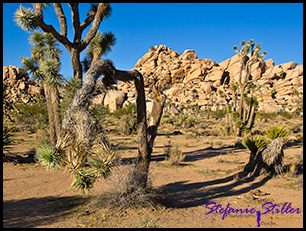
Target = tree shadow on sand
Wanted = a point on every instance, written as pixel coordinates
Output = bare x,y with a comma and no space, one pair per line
182,194
34,212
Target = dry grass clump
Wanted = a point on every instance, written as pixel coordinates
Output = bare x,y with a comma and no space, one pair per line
125,190
173,154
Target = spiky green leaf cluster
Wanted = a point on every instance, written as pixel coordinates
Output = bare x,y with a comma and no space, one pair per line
45,61
83,180
100,45
277,132
25,18
49,69
48,155
254,144
102,169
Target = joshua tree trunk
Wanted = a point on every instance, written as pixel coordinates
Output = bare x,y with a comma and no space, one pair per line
79,117
76,64
52,134
56,111
52,101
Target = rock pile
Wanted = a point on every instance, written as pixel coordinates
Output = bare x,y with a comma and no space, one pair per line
187,79
18,87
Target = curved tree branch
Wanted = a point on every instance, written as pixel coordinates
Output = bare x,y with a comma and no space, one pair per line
102,11
76,22
49,28
61,17
78,116
90,17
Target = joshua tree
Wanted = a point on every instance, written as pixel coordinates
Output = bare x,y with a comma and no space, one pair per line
100,45
44,65
30,19
82,136
243,113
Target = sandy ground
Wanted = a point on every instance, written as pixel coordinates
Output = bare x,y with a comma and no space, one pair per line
34,197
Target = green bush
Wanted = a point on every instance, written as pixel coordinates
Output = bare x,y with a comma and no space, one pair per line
179,120
32,115
100,112
127,119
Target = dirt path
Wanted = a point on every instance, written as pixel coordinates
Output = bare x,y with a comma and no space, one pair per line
34,197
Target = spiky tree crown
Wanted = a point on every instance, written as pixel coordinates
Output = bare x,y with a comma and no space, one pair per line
26,19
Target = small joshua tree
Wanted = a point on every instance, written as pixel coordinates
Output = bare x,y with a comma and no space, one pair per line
266,159
254,145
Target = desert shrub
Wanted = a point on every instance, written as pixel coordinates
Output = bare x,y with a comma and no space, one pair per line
276,132
31,115
6,136
173,154
127,118
127,124
130,108
125,191
100,112
179,120
146,222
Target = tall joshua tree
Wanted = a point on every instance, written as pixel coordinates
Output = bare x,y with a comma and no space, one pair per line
244,114
30,19
44,65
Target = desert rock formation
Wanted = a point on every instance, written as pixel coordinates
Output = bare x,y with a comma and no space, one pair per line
187,79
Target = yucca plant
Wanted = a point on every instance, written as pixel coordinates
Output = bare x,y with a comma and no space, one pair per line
48,155
254,145
83,179
277,132
101,158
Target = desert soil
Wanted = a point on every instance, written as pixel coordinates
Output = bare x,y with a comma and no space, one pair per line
34,197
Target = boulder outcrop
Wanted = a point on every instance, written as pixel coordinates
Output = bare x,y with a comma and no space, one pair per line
18,87
187,79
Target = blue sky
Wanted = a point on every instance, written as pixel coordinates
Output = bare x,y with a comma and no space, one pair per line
210,29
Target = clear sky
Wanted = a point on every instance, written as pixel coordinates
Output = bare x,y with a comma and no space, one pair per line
210,29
